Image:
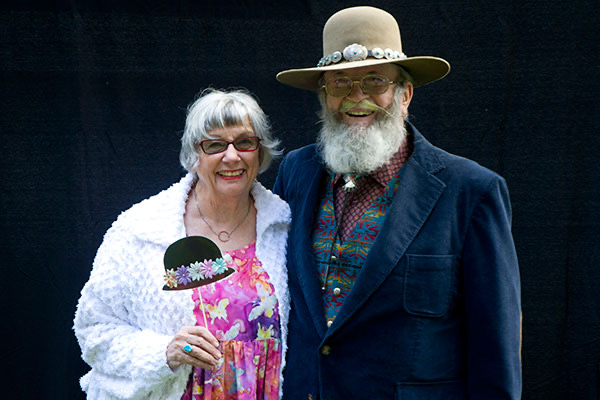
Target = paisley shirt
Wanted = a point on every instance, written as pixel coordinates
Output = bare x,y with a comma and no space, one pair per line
345,258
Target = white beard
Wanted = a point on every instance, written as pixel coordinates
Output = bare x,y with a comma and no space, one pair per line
358,149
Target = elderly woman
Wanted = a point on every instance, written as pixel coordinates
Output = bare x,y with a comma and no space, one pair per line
146,343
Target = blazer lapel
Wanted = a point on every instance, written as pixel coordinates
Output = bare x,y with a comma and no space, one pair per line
304,261
417,194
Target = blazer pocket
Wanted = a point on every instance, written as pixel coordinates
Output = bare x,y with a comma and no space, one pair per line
428,284
446,390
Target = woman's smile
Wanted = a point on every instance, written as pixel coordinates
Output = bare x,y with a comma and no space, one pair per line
231,174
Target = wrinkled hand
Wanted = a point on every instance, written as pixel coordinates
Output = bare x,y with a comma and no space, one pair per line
205,348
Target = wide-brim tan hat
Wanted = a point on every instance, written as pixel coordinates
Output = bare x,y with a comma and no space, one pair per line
362,36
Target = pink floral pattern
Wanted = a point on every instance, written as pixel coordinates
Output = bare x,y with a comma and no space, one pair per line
241,311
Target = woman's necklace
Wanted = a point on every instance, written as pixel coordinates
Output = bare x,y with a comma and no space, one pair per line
223,236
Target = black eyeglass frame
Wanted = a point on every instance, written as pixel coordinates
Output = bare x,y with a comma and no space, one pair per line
360,82
233,142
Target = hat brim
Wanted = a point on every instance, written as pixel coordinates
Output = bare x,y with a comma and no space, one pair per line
422,70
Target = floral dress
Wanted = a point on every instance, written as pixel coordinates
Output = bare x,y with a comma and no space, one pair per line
241,312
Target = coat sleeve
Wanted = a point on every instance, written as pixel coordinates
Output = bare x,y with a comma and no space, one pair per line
492,295
128,362
278,188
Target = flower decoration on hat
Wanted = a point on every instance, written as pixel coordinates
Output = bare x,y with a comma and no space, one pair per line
206,267
170,279
195,261
219,266
197,272
183,275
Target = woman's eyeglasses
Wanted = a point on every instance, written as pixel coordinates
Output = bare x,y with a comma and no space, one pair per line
342,86
214,146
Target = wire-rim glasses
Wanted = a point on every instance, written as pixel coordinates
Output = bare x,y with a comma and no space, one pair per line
372,84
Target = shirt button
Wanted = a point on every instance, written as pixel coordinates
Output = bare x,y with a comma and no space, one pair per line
329,323
333,258
326,350
337,291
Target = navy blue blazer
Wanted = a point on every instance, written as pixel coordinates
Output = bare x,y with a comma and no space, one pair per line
435,312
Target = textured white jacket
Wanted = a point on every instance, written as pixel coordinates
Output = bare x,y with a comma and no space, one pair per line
124,320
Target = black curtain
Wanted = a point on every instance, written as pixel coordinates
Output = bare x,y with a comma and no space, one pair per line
93,105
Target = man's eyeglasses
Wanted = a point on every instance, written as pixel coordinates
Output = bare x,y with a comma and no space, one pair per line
341,86
214,146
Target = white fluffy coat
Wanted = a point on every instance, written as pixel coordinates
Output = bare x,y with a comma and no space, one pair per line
124,320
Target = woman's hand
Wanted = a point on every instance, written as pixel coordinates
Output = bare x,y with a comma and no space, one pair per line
204,348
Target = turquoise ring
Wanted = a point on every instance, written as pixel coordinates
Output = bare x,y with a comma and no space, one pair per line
187,348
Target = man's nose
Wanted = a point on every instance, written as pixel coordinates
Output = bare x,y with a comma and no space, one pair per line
356,94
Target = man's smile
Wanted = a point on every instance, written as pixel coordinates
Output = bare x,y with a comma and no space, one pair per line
359,113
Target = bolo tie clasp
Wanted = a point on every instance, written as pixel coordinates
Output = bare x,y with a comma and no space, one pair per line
350,184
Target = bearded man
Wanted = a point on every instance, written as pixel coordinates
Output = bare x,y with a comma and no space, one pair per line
402,270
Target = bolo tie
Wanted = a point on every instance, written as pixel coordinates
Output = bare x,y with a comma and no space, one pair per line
349,187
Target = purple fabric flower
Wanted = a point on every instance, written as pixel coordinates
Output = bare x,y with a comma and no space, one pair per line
183,275
207,269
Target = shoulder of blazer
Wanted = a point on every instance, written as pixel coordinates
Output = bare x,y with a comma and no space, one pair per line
298,166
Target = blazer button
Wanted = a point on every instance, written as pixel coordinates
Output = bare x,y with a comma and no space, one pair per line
326,350
310,397
329,323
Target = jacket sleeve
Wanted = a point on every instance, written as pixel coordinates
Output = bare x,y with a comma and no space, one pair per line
492,296
278,188
128,362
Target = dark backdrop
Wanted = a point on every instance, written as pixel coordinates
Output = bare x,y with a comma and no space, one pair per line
93,97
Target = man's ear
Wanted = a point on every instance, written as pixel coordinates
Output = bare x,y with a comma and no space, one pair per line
406,97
